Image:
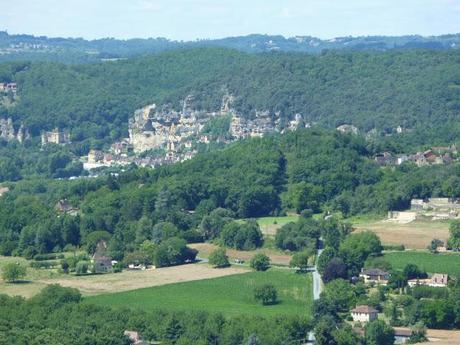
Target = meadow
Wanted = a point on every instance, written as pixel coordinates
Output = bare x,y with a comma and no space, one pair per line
432,263
269,225
231,295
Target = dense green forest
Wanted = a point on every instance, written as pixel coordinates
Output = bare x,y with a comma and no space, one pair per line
415,89
311,169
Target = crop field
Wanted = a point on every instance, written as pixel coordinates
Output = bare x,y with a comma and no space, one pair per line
277,257
232,295
432,263
413,235
269,225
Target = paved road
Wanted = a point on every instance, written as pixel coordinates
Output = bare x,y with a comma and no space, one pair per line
317,287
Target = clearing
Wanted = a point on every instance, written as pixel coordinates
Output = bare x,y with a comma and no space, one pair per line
232,295
432,263
269,225
413,235
276,257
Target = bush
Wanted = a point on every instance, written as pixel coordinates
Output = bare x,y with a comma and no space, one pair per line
43,264
12,272
266,294
218,258
82,267
118,267
260,262
51,256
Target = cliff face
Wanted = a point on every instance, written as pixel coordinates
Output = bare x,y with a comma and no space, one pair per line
152,127
8,133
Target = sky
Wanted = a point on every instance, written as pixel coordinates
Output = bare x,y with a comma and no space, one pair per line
207,19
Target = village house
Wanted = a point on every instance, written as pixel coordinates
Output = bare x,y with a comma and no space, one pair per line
374,275
101,261
436,280
6,87
364,313
385,158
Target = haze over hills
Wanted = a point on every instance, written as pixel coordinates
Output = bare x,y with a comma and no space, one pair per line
75,50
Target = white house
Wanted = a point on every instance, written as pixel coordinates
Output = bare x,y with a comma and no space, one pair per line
364,313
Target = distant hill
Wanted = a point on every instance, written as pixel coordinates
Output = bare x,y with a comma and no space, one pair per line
78,50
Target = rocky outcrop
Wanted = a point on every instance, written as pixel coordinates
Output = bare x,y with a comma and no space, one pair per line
8,133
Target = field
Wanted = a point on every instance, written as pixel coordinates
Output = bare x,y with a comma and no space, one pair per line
36,279
413,235
269,225
232,295
277,257
432,263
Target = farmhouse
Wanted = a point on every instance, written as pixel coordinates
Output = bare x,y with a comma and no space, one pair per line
364,313
436,280
374,275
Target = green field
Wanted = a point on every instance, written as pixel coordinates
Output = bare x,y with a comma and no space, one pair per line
432,263
232,295
269,225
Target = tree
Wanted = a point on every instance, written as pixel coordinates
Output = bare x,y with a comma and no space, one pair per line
326,256
94,238
218,258
82,267
266,294
260,262
324,331
12,272
411,271
300,261
334,270
378,332
356,248
454,235
435,244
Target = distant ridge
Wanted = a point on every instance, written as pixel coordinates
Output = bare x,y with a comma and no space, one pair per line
77,50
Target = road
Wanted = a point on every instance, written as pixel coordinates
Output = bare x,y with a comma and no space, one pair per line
317,287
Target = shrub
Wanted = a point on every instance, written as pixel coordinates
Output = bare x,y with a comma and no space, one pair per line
260,262
118,267
12,272
266,294
218,258
42,264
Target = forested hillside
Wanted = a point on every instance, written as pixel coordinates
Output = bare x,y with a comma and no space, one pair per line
415,89
304,170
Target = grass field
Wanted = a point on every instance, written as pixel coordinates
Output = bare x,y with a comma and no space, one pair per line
232,295
413,235
269,225
432,263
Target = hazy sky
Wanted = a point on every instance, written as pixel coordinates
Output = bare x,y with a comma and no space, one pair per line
191,19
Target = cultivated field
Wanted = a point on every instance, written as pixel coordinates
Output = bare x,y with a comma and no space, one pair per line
276,257
432,263
36,279
232,295
413,235
269,225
